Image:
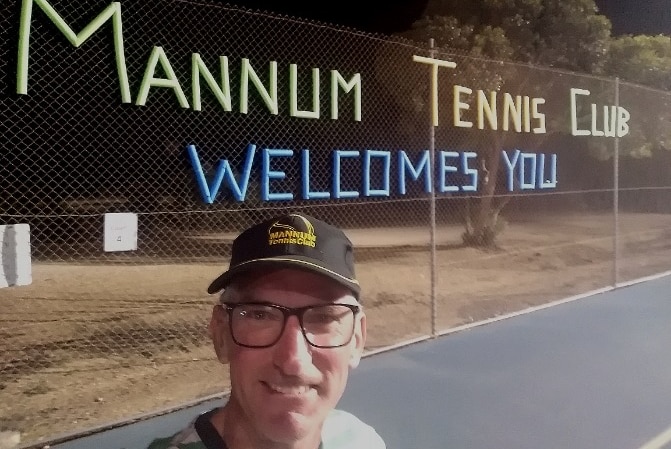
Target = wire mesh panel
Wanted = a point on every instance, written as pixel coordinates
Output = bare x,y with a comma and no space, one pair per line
467,195
644,183
522,218
200,119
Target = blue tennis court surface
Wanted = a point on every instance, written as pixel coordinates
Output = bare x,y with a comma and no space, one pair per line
594,373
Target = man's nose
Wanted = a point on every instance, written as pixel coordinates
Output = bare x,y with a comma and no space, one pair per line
292,353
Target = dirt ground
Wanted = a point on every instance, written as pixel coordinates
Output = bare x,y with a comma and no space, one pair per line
90,345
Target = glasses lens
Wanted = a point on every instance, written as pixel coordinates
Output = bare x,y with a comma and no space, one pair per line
256,324
260,325
329,325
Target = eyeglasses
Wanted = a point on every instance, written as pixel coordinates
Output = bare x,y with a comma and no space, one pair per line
260,325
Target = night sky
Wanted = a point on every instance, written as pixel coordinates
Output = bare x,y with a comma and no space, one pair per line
637,17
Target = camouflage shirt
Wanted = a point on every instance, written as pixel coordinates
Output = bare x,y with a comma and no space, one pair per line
341,430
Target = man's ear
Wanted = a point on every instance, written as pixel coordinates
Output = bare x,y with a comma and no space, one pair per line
218,330
359,341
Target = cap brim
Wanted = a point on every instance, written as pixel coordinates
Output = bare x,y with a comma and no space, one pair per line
285,261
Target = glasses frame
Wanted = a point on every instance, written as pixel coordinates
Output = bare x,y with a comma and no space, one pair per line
298,312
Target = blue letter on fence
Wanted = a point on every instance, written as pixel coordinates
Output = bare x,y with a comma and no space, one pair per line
337,193
445,168
306,193
422,166
267,175
386,162
223,172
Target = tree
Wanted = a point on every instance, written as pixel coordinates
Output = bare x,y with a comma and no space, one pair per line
553,33
641,59
565,34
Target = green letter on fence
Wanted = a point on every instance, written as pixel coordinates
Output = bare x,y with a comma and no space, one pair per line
113,11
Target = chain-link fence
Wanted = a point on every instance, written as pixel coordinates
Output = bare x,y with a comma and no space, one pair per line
469,191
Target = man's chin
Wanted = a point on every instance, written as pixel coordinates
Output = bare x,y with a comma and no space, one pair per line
288,427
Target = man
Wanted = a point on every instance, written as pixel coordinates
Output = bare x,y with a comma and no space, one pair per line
290,327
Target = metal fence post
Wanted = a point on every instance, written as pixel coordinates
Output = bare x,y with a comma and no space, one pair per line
432,148
616,191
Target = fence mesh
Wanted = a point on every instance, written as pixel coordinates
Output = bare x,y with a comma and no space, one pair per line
102,336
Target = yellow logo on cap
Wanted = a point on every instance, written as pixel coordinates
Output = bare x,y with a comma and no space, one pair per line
283,233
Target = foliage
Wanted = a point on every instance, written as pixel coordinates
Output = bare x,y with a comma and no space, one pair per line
641,59
568,34
562,34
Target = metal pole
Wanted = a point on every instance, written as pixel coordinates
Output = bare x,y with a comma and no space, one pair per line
616,190
432,148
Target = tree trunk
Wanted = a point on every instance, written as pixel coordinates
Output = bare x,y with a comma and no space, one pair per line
481,220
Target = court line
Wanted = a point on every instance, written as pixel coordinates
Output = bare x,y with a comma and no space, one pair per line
659,441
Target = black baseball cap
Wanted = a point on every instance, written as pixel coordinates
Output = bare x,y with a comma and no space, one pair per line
296,241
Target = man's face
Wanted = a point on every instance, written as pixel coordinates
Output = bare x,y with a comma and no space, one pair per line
285,391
